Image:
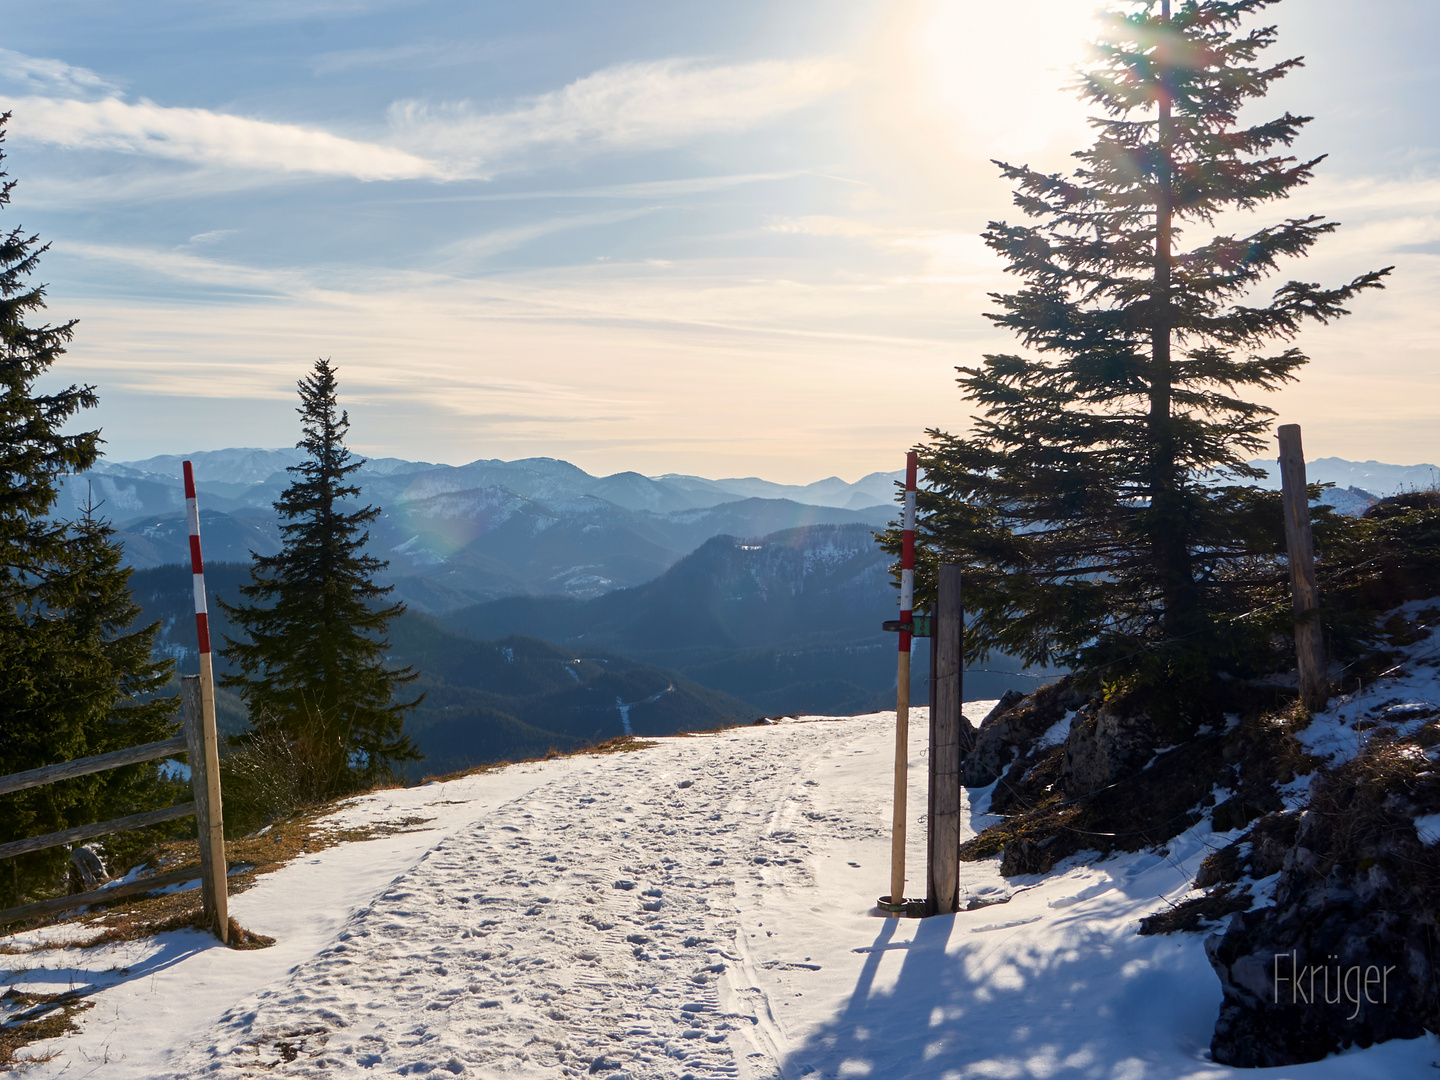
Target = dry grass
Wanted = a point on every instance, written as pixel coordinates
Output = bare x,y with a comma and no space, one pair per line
40,1017
1360,822
1197,913
250,857
621,744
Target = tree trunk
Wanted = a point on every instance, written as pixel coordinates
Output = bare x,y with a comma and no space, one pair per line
1168,529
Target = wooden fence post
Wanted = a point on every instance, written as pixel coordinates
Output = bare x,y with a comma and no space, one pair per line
898,814
1304,593
946,696
212,827
202,748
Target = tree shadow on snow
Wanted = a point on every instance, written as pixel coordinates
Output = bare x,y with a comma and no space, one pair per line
982,995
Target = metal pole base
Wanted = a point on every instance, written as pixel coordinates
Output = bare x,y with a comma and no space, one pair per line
905,909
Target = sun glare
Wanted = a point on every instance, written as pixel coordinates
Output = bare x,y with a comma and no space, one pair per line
996,73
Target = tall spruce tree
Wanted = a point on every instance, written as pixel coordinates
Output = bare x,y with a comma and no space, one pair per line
313,671
1100,501
74,676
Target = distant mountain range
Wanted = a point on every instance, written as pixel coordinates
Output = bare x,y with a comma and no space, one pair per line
565,607
458,535
237,478
1370,477
1359,485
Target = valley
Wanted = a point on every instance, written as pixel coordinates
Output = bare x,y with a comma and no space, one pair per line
551,609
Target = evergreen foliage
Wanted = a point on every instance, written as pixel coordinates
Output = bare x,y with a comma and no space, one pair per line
313,671
1099,503
75,679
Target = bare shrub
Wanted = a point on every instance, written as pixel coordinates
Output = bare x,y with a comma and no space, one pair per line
272,773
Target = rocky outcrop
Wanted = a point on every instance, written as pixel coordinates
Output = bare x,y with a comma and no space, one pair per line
87,870
1349,953
1104,745
1011,726
1403,503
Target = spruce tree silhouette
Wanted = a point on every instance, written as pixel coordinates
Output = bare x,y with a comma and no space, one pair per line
1100,503
313,671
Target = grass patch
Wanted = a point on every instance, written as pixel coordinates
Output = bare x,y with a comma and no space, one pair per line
36,1017
250,857
621,744
1197,913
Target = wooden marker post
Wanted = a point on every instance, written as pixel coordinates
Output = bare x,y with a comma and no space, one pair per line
1304,593
902,696
946,694
204,748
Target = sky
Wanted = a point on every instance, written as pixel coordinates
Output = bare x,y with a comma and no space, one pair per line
723,239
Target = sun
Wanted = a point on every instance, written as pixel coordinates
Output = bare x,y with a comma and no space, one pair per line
990,79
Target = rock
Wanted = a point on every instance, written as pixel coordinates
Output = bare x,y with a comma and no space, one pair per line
1351,975
1027,857
87,870
1103,746
1259,853
1008,701
1270,840
1010,726
1346,955
1220,867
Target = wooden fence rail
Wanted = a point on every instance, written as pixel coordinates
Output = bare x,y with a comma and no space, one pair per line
200,745
68,770
100,896
81,833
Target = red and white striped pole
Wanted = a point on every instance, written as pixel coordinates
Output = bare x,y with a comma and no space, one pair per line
213,828
902,692
197,567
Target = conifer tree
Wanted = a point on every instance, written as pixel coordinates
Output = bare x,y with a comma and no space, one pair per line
1100,500
73,674
313,671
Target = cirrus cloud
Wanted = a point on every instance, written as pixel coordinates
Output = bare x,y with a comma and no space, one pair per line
629,105
52,76
203,137
638,105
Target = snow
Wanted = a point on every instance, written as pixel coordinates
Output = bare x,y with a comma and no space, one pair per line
704,908
1428,828
1403,699
624,708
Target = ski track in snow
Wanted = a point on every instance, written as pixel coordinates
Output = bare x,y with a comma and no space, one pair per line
602,949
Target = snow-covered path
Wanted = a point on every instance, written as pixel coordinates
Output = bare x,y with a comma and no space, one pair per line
585,927
590,926
702,908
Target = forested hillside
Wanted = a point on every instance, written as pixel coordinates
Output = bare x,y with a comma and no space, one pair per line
485,701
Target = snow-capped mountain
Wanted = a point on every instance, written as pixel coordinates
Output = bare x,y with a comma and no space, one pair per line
456,535
1375,477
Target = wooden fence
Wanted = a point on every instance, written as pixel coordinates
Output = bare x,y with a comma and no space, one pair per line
199,744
